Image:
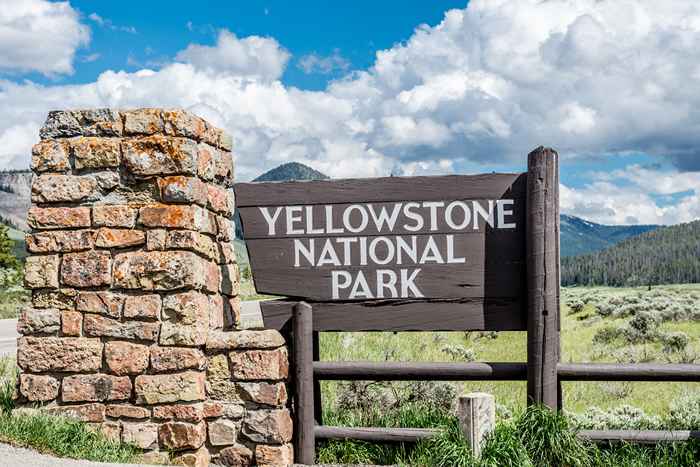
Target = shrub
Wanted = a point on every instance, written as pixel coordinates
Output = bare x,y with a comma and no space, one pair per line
675,342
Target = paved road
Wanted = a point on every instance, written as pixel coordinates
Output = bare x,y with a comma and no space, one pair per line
18,457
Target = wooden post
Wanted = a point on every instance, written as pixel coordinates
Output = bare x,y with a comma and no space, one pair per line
476,412
542,256
318,401
304,381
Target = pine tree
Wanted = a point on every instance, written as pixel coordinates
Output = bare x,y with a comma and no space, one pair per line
8,259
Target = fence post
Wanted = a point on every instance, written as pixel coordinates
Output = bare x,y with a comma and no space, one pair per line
304,384
476,412
318,402
542,256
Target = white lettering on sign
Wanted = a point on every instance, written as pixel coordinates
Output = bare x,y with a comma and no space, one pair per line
376,250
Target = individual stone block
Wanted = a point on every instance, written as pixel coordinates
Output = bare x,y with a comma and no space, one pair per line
102,303
232,315
213,274
179,189
95,388
187,308
156,239
236,456
96,153
216,312
114,216
63,188
182,412
126,358
268,426
206,161
58,218
222,432
181,435
177,359
143,122
38,388
93,412
110,430
142,306
198,458
227,253
63,299
218,369
50,156
38,321
41,272
141,435
190,240
274,394
95,122
226,231
73,354
230,279
88,269
159,270
259,364
220,200
212,409
60,241
184,124
119,238
171,216
163,389
229,340
127,411
99,326
160,155
224,166
178,334
156,458
274,456
71,323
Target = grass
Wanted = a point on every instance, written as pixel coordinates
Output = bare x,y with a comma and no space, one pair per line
57,436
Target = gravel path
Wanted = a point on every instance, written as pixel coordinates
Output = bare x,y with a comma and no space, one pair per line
18,457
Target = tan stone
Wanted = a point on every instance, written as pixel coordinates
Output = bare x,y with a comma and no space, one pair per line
163,389
227,253
222,432
190,240
159,270
119,238
143,122
274,456
114,216
268,426
74,354
142,306
71,323
126,358
159,155
63,299
179,334
220,200
187,308
95,153
179,189
218,370
216,312
50,156
259,364
232,314
60,241
63,188
213,282
184,124
38,321
236,456
182,412
178,216
176,358
92,122
274,394
224,166
99,326
207,161
212,409
110,430
103,303
127,411
198,458
181,435
247,339
88,269
226,231
93,412
38,388
155,239
142,435
222,390
41,272
58,218
95,388
230,279
156,458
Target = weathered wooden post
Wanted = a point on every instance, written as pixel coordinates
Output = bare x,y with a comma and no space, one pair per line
304,384
542,257
476,412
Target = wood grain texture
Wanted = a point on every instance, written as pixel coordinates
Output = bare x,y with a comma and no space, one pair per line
638,436
628,372
384,189
404,315
380,435
304,449
409,371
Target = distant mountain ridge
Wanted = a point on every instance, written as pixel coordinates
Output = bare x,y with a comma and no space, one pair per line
579,236
291,171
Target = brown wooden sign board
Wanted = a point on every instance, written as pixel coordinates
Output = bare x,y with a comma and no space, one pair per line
396,253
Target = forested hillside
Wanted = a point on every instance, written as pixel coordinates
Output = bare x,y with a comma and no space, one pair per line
668,255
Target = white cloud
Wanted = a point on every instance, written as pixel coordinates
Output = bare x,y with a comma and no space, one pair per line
253,56
107,23
42,36
314,63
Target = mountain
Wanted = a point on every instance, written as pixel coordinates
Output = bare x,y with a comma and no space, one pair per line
15,198
291,171
667,255
579,236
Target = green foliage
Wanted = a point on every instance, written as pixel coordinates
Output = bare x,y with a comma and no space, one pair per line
579,236
8,260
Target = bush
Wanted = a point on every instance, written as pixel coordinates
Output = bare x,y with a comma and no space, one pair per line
675,342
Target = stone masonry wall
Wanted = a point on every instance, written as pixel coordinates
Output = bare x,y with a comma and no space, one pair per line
134,323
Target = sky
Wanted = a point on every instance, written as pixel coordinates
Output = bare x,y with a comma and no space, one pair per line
364,89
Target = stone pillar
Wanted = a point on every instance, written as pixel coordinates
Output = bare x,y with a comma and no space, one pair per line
134,315
477,417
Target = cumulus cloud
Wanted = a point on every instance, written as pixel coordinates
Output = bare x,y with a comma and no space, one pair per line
41,36
315,63
107,23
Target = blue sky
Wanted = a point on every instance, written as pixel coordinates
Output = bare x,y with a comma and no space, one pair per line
359,89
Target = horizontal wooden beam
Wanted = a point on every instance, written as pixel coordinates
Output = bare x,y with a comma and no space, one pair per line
381,435
638,436
409,371
628,372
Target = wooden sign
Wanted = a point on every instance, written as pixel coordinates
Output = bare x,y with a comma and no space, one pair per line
373,253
